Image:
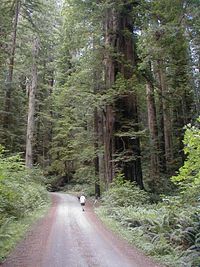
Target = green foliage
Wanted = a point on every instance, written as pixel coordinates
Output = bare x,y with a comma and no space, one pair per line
72,53
124,193
188,177
191,235
129,225
22,193
168,230
12,230
72,148
189,173
20,190
80,188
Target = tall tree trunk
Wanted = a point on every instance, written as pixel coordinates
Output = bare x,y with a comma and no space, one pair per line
96,140
31,110
110,71
98,127
162,158
153,129
197,88
120,58
96,159
167,127
126,105
8,93
108,126
101,144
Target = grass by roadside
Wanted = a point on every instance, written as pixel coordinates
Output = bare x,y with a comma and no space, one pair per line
137,239
23,199
167,230
14,230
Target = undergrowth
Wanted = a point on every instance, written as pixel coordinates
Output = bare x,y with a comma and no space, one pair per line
22,195
168,231
12,230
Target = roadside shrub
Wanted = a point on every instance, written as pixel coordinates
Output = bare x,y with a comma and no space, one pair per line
169,229
22,195
20,190
188,176
191,235
124,193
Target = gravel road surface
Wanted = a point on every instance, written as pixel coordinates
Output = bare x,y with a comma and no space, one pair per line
69,237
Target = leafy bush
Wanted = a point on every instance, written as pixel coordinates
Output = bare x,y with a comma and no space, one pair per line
20,189
162,230
189,173
169,230
124,193
191,235
22,192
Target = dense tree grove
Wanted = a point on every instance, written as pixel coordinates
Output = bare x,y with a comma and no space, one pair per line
110,86
94,90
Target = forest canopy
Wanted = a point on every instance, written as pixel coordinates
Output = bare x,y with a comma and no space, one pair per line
91,89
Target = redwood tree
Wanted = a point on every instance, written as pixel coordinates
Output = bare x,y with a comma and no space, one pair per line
31,109
121,140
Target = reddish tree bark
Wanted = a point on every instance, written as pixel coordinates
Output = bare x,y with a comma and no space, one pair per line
120,58
110,28
153,130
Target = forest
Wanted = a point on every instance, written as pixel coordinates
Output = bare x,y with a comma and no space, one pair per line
104,96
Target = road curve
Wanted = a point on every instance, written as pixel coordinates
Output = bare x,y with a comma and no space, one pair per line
69,237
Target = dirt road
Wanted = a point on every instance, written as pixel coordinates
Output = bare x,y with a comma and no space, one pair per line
69,237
